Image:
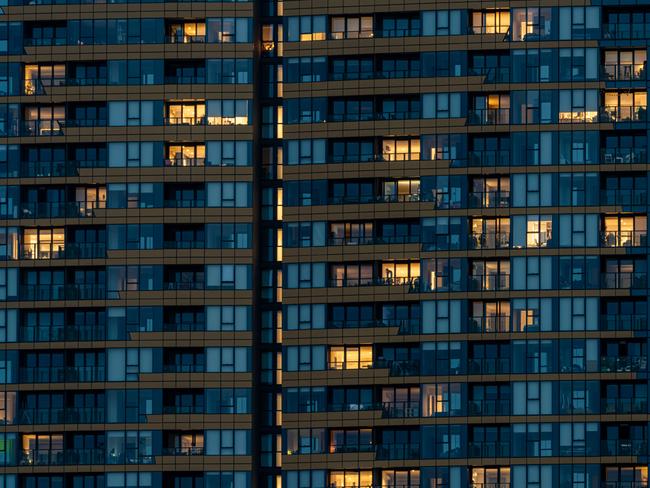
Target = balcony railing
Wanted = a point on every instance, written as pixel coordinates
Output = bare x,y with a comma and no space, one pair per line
63,292
626,30
397,451
403,367
623,364
185,162
405,326
185,39
624,72
62,333
489,407
33,210
70,415
62,374
400,410
488,158
489,282
488,116
345,365
624,197
183,368
84,250
489,323
624,447
631,280
624,322
624,238
491,75
184,451
624,405
617,113
489,240
377,281
489,449
489,199
372,240
184,285
624,155
489,366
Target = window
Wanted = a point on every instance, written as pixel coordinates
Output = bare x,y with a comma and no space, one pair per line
186,32
39,76
229,30
531,24
351,27
578,106
490,109
306,28
304,358
538,230
625,230
491,22
628,106
532,398
185,155
228,112
229,153
625,64
350,357
227,442
579,22
441,105
441,399
305,151
228,317
441,23
228,359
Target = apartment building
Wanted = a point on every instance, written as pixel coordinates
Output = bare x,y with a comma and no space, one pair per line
295,244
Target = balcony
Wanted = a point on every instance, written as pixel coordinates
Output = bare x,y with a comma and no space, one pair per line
624,405
624,322
623,364
624,238
191,203
183,327
489,240
183,409
489,199
350,448
489,282
624,447
489,323
488,449
624,280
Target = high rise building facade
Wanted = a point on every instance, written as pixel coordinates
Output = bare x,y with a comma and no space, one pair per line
336,244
